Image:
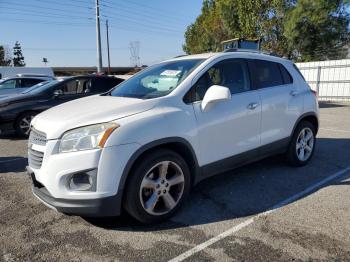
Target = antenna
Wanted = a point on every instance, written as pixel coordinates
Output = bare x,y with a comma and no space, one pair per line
135,53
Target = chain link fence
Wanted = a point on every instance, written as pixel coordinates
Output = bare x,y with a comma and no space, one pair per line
331,79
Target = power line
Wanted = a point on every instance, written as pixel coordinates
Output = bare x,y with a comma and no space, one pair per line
138,14
151,9
142,19
145,31
59,3
45,8
149,28
59,23
44,22
49,15
161,28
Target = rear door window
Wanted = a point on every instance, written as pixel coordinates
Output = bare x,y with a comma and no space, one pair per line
76,86
104,84
267,74
287,78
29,82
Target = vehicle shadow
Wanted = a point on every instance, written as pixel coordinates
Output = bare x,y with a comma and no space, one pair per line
330,104
12,136
13,164
247,191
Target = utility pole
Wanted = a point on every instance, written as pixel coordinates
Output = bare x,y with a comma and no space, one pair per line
98,38
109,59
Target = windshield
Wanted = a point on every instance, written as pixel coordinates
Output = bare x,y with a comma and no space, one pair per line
43,86
156,81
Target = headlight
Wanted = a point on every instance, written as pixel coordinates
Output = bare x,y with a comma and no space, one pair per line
85,138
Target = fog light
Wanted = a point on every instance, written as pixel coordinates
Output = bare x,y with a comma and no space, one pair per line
83,181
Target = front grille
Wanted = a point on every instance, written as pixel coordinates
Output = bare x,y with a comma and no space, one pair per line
35,158
37,137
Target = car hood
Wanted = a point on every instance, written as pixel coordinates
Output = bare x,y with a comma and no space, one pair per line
88,111
14,98
4,92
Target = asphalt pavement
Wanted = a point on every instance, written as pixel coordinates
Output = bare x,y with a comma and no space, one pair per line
266,211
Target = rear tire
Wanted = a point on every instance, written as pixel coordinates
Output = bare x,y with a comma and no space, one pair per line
302,145
157,187
22,124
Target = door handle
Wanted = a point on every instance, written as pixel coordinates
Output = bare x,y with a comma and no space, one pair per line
252,106
293,93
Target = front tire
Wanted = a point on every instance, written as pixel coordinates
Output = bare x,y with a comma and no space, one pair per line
157,187
302,145
22,124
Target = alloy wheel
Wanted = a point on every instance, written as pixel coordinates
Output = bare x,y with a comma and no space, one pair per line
162,188
305,144
24,124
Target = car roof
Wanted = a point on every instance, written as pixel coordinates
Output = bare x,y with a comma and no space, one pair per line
250,54
28,77
195,56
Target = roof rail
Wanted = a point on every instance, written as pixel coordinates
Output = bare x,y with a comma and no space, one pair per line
249,51
180,56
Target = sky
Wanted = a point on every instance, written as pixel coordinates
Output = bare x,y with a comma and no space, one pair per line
64,31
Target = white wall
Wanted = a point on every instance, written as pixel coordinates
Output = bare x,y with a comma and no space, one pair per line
334,79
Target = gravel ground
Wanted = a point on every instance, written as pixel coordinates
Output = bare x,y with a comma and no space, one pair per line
315,226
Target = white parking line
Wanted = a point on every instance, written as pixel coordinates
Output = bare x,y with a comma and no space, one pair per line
246,223
11,160
336,130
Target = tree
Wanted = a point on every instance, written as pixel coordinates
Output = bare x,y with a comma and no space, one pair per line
289,28
318,29
5,59
206,33
18,59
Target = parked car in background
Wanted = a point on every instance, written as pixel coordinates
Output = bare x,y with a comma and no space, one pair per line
17,110
12,71
19,84
143,145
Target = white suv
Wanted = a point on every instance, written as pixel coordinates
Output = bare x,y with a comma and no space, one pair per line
142,146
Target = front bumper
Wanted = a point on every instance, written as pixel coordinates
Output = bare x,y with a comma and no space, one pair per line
100,207
50,180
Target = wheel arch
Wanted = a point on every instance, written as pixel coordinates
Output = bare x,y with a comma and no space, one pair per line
310,117
176,144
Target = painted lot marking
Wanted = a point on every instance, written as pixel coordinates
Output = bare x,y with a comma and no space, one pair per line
246,223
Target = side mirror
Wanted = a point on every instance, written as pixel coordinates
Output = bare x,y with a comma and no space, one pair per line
215,94
57,93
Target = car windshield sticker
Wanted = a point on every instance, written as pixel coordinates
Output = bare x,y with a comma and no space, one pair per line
170,73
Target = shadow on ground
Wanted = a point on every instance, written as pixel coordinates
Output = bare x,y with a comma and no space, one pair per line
12,136
325,104
246,191
13,164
